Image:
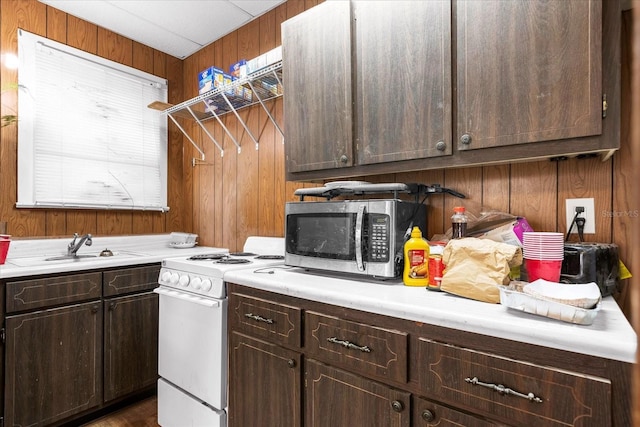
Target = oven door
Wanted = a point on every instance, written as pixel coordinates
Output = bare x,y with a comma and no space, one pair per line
192,346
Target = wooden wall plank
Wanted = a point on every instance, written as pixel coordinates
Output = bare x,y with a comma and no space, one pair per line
203,173
230,159
30,16
586,178
56,25
495,188
247,182
179,216
266,159
534,194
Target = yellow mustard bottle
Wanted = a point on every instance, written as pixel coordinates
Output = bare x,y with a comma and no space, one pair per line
416,260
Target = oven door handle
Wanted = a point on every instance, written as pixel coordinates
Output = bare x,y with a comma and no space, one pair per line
186,297
358,237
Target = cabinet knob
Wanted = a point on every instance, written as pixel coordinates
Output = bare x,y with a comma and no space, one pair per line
397,406
344,159
94,308
441,146
427,415
112,306
291,363
465,139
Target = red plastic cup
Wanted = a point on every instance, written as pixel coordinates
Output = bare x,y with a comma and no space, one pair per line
543,269
4,250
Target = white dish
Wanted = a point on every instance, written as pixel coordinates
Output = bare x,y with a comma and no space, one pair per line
182,245
529,304
585,295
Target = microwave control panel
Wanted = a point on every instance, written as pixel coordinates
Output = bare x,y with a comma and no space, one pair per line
378,238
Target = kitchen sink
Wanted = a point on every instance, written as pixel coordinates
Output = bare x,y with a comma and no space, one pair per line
48,259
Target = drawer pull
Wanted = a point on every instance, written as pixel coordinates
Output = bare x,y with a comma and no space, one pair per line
350,345
397,406
504,390
259,318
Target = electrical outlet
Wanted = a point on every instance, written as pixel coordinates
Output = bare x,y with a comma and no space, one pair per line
589,214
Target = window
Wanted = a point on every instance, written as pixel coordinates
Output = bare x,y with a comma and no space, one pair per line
86,138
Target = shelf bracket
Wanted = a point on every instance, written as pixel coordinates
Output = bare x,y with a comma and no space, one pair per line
244,125
213,113
206,131
188,137
264,107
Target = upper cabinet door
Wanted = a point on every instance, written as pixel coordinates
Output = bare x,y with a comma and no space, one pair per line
317,76
403,79
527,71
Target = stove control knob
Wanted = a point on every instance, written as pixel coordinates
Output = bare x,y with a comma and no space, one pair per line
184,281
174,278
206,285
165,277
196,283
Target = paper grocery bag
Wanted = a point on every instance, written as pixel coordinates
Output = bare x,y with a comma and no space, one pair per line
474,268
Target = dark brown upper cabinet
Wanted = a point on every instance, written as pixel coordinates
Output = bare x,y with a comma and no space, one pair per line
386,87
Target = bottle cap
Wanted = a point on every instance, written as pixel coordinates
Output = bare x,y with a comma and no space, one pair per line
458,209
416,233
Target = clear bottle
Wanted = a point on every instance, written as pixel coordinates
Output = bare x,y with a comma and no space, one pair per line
459,222
416,260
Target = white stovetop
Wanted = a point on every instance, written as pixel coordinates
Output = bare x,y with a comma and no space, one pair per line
26,257
610,336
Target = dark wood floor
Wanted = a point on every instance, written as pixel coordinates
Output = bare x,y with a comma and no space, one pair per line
139,414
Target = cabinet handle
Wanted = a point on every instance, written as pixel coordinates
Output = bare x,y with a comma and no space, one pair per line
344,159
441,146
291,363
350,345
504,390
259,318
465,139
94,308
427,415
397,406
112,306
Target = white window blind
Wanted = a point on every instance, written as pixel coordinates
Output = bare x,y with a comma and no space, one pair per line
86,138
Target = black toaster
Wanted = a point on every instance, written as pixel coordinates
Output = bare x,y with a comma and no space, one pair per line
591,262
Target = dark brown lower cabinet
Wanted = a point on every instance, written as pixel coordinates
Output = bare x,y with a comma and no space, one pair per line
267,384
77,343
131,344
54,364
344,367
334,396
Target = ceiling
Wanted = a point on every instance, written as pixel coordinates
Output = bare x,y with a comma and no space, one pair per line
176,27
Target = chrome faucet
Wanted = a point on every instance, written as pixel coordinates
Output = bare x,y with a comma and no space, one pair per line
74,247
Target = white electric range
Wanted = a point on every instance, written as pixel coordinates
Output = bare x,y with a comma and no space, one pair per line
192,339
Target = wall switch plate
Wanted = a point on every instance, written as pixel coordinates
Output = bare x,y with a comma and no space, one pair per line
589,214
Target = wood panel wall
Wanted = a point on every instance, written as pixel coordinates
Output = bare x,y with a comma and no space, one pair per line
227,198
37,18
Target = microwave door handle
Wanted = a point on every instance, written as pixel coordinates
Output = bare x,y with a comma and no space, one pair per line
358,243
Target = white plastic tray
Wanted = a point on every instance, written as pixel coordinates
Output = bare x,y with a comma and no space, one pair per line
554,310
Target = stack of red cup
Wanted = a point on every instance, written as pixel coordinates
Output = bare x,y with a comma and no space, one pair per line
5,240
543,254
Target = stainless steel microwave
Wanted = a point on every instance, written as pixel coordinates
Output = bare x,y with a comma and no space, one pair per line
351,236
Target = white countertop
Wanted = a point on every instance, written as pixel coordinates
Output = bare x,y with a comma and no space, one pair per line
26,257
609,336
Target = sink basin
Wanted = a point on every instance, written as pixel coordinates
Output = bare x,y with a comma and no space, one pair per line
48,259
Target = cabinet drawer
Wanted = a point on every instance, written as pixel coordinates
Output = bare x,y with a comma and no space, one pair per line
429,414
485,383
126,280
356,346
52,291
273,321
